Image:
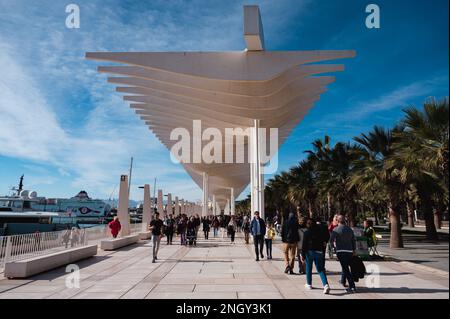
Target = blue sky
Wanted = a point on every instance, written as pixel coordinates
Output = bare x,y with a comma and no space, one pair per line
66,129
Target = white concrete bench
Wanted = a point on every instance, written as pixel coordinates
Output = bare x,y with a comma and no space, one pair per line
35,265
115,243
145,235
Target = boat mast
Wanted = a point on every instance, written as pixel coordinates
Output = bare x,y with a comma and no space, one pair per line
20,185
129,180
154,194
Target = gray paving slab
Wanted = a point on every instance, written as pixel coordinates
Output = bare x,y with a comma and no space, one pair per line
217,269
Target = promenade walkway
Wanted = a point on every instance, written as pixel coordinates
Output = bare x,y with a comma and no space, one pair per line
214,269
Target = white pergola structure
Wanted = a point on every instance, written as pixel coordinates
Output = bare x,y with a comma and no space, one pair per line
246,89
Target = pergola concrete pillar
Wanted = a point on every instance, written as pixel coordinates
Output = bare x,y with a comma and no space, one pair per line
160,205
147,209
226,210
253,29
122,212
214,205
177,206
205,195
169,207
232,203
256,172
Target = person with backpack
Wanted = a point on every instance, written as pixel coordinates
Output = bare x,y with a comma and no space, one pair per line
231,228
344,241
290,238
312,253
191,231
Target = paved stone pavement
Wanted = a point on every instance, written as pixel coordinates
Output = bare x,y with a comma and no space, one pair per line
214,269
417,249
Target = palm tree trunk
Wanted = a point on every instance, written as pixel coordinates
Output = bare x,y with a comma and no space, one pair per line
310,210
427,207
437,218
374,209
396,232
329,204
410,214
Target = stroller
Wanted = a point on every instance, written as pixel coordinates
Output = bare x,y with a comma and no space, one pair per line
191,236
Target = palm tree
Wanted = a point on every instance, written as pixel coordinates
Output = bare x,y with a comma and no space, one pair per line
302,186
371,172
422,154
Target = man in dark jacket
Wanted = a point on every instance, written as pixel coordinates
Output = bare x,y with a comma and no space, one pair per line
343,239
290,238
258,230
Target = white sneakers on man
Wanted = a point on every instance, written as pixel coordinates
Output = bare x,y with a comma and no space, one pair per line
326,289
308,287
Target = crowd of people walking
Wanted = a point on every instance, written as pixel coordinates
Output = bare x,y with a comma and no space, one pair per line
305,240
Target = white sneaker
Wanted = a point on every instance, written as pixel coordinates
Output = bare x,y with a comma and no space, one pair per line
308,287
326,289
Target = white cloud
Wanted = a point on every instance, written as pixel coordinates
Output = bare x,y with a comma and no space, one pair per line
90,144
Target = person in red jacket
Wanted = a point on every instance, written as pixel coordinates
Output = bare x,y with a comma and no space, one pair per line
115,227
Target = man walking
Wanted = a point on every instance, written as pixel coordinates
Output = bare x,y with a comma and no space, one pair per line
290,238
156,226
344,240
169,229
258,230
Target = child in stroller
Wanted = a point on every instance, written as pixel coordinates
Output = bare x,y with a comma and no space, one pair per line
191,234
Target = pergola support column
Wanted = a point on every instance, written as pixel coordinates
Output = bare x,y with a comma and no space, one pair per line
122,212
256,172
205,195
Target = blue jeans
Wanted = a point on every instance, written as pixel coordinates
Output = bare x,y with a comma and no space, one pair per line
318,259
344,259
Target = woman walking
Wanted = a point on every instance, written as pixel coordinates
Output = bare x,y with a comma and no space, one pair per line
115,227
231,229
312,252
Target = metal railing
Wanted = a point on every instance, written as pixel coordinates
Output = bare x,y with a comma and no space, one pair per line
19,247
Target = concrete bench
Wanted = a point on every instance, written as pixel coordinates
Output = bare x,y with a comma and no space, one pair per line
35,265
145,235
115,243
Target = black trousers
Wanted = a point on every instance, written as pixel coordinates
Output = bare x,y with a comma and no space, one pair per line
169,237
232,234
258,241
